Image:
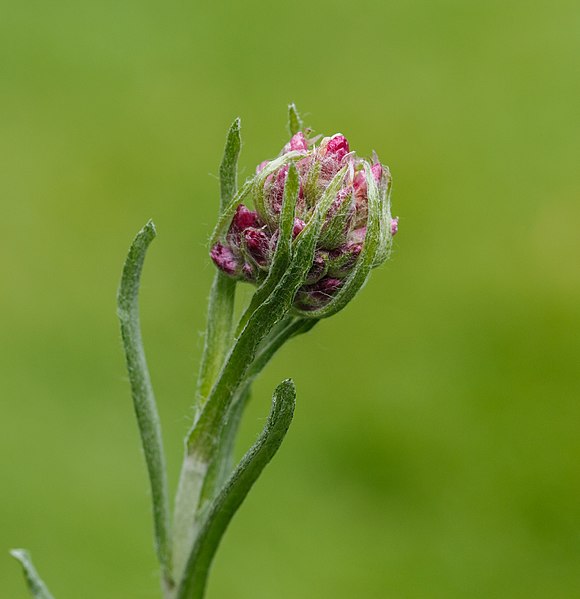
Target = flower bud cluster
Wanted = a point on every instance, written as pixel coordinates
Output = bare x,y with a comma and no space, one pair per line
246,250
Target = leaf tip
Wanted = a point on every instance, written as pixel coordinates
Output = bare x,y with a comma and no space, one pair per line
292,170
288,385
150,228
284,400
295,123
234,132
19,554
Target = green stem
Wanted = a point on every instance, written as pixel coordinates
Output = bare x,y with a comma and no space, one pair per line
143,397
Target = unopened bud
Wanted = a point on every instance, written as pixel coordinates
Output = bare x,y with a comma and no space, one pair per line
250,244
257,244
224,259
244,217
298,143
337,146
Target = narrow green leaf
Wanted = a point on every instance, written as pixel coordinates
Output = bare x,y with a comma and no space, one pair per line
222,295
218,338
327,198
225,505
295,123
229,165
386,240
36,586
333,232
311,185
284,245
142,392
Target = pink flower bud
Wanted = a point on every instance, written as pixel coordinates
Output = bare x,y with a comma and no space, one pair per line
224,259
296,144
337,146
249,244
249,273
394,225
244,217
257,243
298,226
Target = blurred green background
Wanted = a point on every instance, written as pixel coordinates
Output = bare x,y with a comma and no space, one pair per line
435,450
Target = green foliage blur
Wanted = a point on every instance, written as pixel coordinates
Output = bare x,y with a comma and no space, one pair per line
435,448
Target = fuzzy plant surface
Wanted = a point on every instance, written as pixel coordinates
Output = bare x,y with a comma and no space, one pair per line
305,230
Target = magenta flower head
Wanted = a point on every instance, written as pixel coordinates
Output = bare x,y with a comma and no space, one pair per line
316,186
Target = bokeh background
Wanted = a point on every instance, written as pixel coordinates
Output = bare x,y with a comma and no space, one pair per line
435,450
